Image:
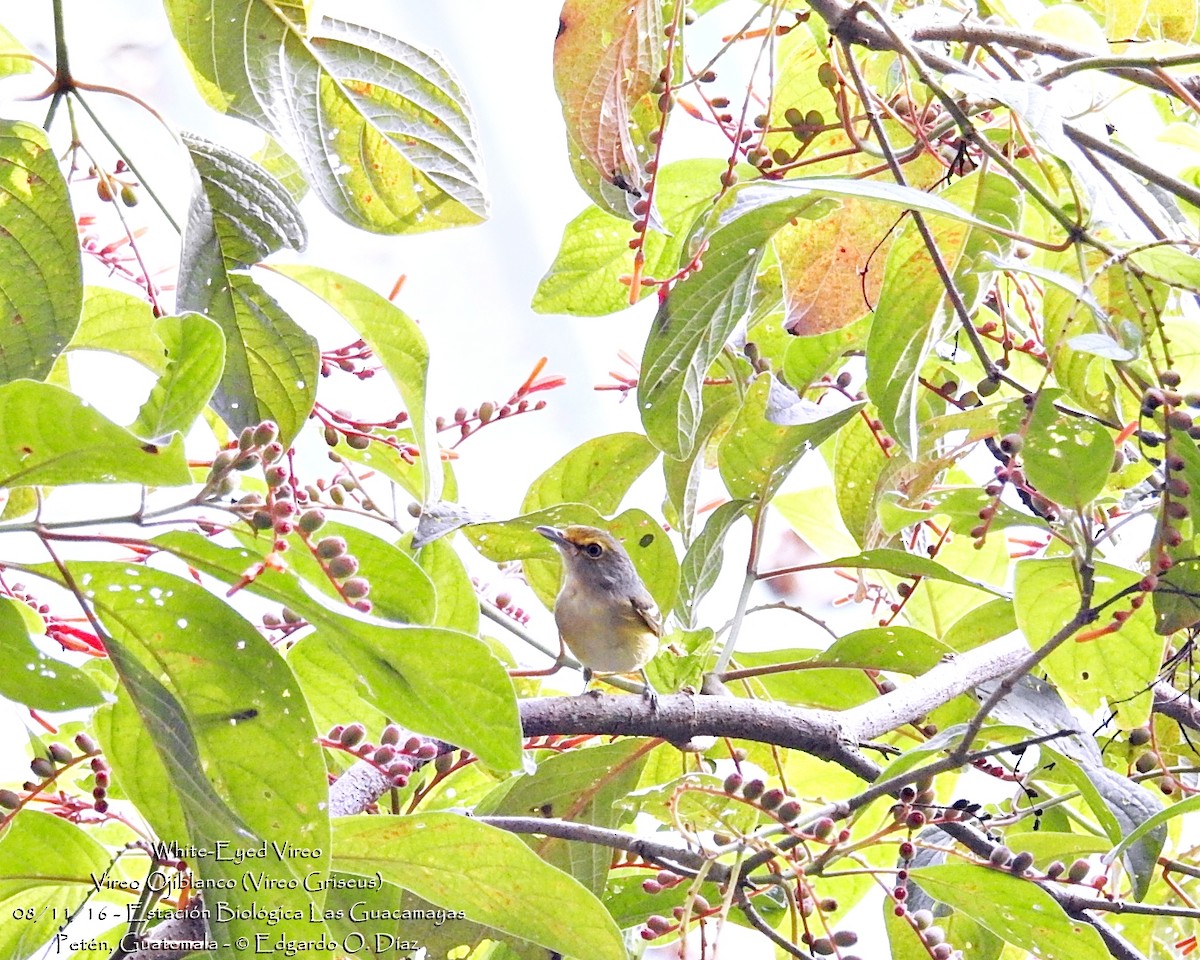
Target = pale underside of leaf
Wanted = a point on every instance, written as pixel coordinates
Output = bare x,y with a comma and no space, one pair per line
381,127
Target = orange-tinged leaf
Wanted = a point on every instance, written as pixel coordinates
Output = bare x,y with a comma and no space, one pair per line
832,268
607,55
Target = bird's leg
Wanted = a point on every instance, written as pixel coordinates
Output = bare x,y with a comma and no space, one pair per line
648,692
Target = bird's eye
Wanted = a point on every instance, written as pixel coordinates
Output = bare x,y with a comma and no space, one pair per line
593,550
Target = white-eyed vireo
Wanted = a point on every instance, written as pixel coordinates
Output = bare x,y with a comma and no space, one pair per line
604,612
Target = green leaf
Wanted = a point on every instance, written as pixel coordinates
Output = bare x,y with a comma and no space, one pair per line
598,472
9,64
120,323
32,678
138,767
582,786
1113,671
1177,597
496,879
400,589
398,343
903,564
438,682
195,351
1016,910
381,127
282,166
46,862
767,438
594,252
41,277
682,477
271,363
810,684
702,563
898,649
862,468
986,622
457,603
700,314
217,701
1170,265
49,436
808,357
1066,458
912,315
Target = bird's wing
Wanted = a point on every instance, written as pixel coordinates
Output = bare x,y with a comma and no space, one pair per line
647,609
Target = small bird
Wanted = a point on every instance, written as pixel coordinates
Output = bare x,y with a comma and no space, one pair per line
604,612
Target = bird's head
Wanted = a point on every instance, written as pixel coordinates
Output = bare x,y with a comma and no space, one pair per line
590,551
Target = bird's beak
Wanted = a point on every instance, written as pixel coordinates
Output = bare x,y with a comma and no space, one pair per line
553,534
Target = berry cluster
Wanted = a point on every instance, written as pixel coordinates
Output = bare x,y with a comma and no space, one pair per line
395,760
58,759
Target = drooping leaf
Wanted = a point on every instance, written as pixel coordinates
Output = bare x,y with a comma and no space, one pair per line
913,314
702,563
395,339
497,880
50,436
271,363
195,352
216,700
253,214
381,127
41,276
607,56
